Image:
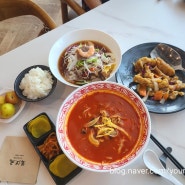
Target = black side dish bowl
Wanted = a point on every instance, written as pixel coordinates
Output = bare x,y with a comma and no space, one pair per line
21,76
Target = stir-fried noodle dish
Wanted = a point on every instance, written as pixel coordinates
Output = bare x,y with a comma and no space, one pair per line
86,61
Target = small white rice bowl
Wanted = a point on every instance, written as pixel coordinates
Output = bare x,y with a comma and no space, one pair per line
37,83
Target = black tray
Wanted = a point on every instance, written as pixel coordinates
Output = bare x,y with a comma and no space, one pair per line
38,141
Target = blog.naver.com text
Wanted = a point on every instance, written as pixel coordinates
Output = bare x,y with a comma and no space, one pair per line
144,171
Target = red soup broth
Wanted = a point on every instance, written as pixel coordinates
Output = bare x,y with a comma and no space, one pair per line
89,107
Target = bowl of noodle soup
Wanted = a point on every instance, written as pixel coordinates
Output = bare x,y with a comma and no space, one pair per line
83,56
103,126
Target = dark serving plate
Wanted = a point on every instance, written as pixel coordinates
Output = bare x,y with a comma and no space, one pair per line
126,73
38,141
21,76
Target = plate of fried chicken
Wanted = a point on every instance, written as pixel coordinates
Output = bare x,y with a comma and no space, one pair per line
160,86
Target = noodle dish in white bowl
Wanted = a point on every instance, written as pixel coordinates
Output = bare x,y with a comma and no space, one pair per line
83,56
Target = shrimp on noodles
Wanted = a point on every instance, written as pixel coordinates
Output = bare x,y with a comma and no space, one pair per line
87,50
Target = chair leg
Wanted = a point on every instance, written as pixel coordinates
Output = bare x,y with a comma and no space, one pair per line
64,8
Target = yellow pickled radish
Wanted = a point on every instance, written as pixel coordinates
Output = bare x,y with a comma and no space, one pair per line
62,166
39,126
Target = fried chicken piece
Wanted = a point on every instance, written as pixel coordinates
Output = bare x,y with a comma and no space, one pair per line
162,83
181,93
164,67
139,64
144,81
158,72
180,85
173,95
177,86
147,73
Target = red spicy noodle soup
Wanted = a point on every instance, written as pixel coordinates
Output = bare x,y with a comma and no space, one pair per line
103,127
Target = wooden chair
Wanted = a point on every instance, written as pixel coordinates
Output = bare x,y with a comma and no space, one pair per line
14,8
73,5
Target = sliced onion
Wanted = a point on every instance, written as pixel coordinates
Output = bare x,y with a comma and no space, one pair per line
162,101
86,67
156,86
147,94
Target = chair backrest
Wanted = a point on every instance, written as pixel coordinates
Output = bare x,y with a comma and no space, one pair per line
14,8
73,5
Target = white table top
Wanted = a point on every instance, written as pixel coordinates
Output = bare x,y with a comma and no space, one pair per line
131,23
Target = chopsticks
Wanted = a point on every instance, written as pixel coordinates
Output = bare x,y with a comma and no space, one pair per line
169,155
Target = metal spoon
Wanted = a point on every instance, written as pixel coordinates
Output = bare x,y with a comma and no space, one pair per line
151,160
163,157
169,55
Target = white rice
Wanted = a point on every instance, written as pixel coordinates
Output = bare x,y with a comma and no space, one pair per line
37,83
